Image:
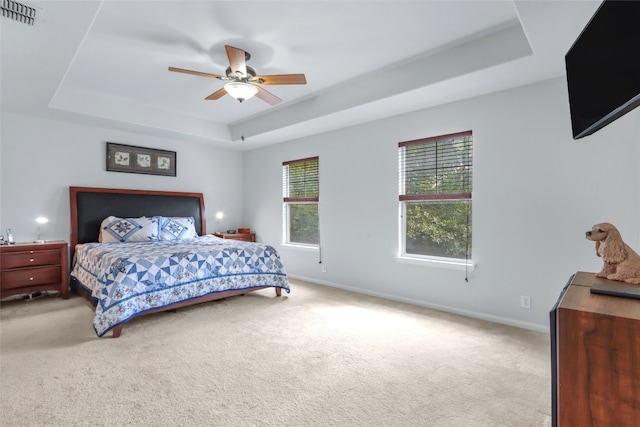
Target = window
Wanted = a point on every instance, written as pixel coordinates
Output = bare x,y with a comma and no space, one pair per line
435,196
301,193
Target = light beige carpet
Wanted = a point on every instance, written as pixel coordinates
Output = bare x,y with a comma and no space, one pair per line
316,357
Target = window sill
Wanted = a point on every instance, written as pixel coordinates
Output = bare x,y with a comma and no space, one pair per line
427,262
307,248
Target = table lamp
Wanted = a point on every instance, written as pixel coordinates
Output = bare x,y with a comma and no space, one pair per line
41,220
219,216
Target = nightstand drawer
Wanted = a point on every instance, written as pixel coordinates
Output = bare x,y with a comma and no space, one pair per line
29,258
242,237
245,237
30,277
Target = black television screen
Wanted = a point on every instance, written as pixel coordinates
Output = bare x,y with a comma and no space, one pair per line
603,67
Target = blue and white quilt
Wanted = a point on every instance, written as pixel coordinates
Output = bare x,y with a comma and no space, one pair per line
128,279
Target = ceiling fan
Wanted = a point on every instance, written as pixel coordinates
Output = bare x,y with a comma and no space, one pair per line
243,81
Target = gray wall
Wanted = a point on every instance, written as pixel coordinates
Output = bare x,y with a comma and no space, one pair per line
40,159
536,191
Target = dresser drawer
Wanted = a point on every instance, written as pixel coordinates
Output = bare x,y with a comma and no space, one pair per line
22,277
29,258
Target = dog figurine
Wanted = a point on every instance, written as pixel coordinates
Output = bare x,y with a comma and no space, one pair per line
620,261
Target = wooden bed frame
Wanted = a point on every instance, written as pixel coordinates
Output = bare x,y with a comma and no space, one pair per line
90,206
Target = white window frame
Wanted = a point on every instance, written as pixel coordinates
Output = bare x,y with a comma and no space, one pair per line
286,225
419,259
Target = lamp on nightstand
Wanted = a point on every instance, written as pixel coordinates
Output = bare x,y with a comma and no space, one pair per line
219,216
41,220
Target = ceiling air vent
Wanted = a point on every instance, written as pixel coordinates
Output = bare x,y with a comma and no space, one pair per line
18,11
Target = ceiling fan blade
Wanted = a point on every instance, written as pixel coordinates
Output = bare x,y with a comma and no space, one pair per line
237,60
195,73
267,97
217,94
282,79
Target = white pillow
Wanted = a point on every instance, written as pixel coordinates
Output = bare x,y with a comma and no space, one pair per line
143,229
177,228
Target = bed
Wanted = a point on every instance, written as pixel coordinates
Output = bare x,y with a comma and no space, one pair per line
175,264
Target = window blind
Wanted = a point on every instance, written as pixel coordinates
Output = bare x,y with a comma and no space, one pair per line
438,168
300,180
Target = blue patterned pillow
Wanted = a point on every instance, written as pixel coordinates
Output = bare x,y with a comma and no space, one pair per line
177,228
143,229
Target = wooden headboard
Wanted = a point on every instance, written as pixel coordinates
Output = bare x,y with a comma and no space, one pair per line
90,206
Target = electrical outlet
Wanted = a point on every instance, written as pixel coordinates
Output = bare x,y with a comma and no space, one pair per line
324,268
525,301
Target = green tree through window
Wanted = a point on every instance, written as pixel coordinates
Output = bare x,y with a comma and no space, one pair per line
303,223
301,194
435,196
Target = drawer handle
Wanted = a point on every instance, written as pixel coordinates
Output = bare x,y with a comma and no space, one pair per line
30,278
31,260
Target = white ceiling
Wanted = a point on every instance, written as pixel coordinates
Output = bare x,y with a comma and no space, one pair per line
105,62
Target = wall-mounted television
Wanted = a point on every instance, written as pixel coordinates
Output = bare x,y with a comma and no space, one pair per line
603,67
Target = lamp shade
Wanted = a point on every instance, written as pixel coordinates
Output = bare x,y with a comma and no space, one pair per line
219,217
240,90
41,220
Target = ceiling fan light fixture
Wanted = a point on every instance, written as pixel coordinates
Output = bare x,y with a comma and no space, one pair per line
240,90
243,83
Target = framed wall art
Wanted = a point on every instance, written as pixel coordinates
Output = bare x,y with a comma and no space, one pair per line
132,159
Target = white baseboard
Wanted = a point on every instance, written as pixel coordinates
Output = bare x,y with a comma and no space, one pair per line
447,309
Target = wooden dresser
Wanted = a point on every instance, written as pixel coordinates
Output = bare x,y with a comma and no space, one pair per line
34,267
247,237
595,350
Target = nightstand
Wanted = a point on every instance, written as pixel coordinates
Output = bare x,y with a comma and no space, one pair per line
34,267
247,237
